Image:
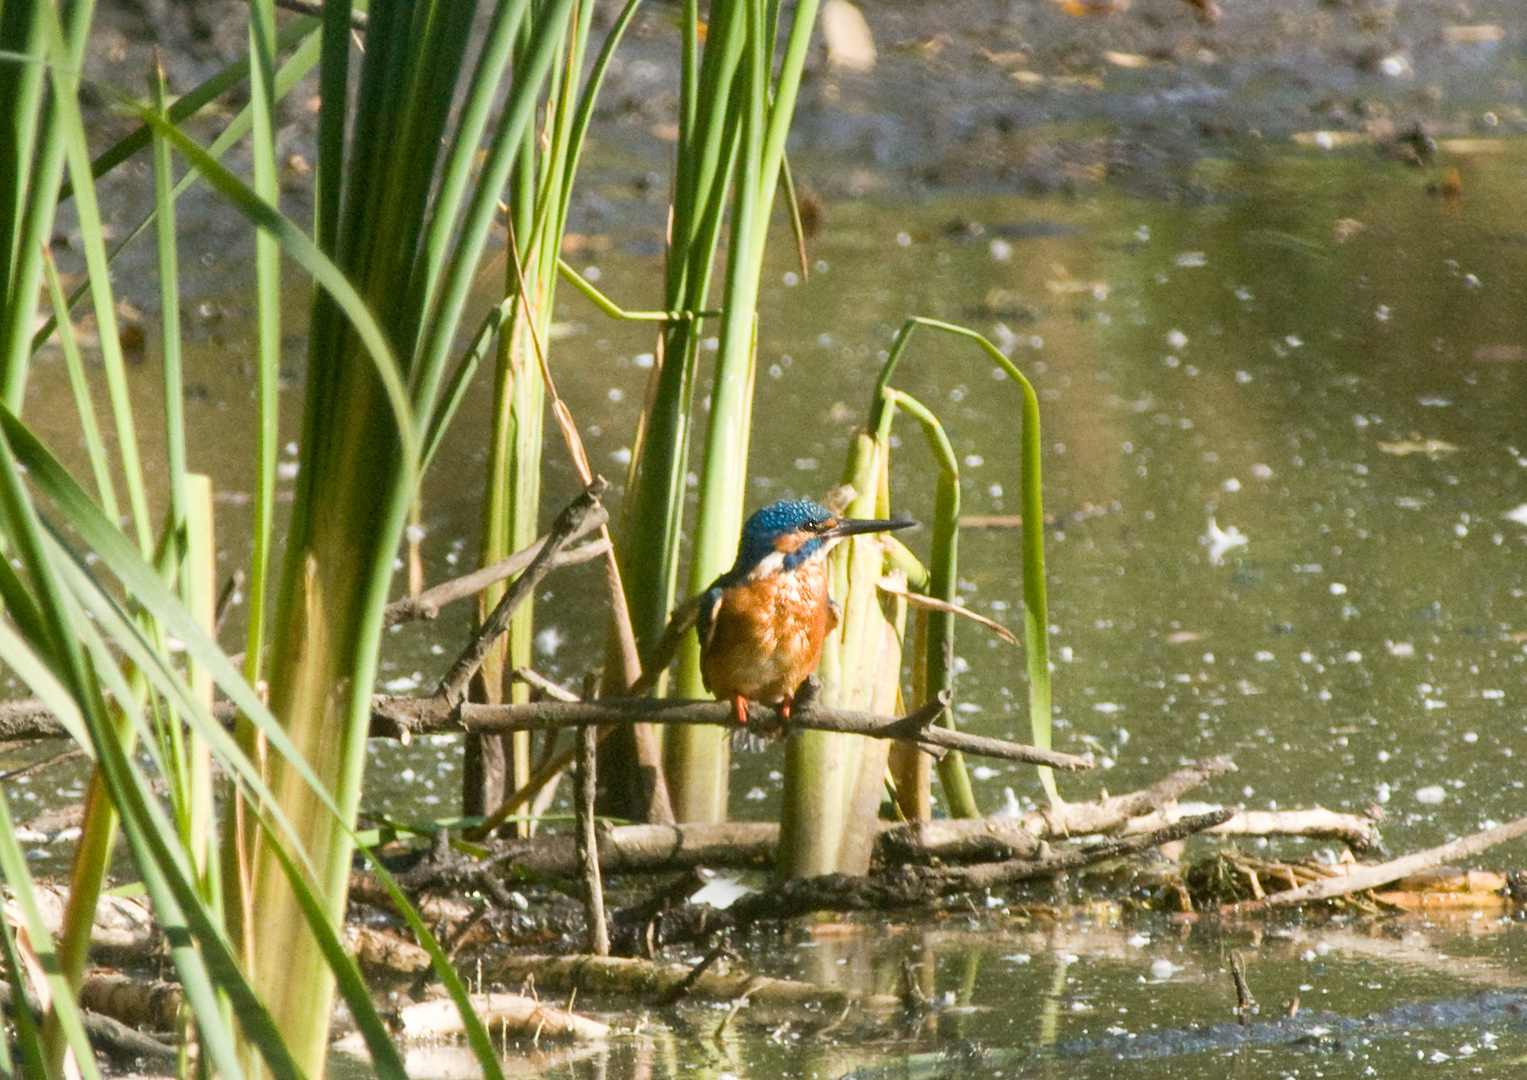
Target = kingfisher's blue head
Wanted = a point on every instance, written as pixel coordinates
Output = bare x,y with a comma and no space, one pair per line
787,534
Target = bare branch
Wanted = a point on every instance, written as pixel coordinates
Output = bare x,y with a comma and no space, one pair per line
453,688
427,604
1371,877
391,716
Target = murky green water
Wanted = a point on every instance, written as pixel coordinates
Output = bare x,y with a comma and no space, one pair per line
1275,359
1314,352
1318,354
1009,997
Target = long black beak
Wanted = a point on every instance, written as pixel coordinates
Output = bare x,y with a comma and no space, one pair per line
854,526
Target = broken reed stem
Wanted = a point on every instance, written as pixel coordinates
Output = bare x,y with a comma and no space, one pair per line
453,688
1245,1004
588,843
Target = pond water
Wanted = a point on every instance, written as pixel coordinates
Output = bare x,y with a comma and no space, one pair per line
1323,362
1318,355
1282,393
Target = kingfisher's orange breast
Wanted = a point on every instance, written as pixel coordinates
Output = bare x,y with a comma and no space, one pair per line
767,635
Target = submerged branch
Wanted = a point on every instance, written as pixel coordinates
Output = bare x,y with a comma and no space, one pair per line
654,981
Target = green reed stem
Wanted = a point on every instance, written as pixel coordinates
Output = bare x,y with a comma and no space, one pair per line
1036,639
943,583
84,405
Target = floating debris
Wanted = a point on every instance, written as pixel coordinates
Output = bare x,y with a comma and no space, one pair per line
850,45
1221,541
1432,448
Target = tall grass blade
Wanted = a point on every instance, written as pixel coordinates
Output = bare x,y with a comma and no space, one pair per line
297,65
84,405
267,351
66,114
943,584
28,1038
28,206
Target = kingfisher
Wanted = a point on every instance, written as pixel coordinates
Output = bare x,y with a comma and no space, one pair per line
761,624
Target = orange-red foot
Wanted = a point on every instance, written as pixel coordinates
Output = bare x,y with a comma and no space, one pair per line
740,710
782,728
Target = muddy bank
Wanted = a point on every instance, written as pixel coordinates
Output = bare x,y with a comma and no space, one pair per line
1019,94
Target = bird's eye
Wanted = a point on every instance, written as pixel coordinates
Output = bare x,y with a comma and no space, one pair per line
820,526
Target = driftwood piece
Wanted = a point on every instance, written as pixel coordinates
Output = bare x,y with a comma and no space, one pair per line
1358,831
28,720
108,1035
917,885
135,1002
123,925
1111,812
379,950
630,848
898,889
1371,877
1441,889
627,848
998,839
516,1015
653,981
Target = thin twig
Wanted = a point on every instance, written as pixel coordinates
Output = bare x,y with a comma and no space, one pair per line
232,588
453,688
39,766
684,985
400,717
588,844
314,9
536,681
427,604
